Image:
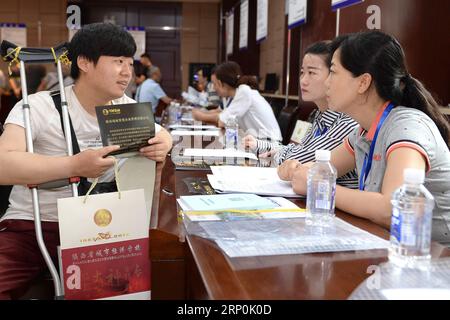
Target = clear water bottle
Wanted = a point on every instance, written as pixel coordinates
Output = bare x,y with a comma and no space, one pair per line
412,213
231,132
321,190
179,113
172,113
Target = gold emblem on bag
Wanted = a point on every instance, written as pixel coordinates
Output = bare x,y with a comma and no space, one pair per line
102,217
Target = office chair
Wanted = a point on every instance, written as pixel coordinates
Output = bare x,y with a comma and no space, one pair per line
286,120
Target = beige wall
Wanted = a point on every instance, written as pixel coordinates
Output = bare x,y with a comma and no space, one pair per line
272,48
199,36
50,13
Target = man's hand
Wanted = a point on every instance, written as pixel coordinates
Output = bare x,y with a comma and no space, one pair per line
160,145
286,169
91,163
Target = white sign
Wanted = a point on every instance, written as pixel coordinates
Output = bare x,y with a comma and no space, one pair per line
339,4
15,33
243,28
297,13
72,32
138,34
230,33
262,15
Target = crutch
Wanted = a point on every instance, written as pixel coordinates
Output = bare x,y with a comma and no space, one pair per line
14,54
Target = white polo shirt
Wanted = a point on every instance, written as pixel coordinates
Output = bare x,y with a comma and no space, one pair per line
254,114
48,139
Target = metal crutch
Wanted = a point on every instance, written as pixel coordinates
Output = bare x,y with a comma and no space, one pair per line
11,52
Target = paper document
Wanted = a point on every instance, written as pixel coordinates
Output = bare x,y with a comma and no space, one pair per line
282,209
219,153
225,201
193,127
195,133
262,181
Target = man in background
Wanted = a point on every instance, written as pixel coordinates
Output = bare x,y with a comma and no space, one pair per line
151,91
145,60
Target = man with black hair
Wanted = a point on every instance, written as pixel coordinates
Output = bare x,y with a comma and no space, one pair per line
140,75
102,62
145,60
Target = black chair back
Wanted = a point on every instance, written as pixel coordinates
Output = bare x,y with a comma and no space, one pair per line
286,120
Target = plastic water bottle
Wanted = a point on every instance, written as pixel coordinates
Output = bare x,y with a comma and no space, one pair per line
321,190
231,132
412,213
179,113
172,113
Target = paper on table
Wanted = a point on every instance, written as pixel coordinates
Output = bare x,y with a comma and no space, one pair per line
416,294
195,133
262,181
285,210
219,153
193,127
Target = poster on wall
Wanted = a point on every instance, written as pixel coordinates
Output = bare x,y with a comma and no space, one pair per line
243,25
262,18
297,13
230,33
138,34
72,32
14,32
339,4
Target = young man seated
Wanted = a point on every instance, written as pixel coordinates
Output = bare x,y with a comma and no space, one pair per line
102,63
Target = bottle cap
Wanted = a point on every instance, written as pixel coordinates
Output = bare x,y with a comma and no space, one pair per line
323,155
414,176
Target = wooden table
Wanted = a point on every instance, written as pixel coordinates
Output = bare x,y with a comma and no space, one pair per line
198,269
195,268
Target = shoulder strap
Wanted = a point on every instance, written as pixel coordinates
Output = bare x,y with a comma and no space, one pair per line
56,96
57,101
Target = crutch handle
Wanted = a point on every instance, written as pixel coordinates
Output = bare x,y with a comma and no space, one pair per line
55,184
32,55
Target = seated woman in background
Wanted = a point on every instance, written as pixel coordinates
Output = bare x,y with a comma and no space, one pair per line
203,84
329,127
400,127
253,113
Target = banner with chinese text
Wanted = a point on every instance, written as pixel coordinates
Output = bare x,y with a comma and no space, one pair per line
104,246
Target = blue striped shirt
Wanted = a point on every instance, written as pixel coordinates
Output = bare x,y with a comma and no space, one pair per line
328,131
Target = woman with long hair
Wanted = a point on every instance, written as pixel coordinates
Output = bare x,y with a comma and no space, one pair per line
400,127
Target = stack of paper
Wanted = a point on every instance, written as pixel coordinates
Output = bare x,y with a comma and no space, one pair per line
262,181
193,127
205,133
269,208
219,153
224,202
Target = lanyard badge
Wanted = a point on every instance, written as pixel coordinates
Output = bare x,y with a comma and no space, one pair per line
368,158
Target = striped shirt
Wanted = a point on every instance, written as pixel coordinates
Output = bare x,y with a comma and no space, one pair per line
328,131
